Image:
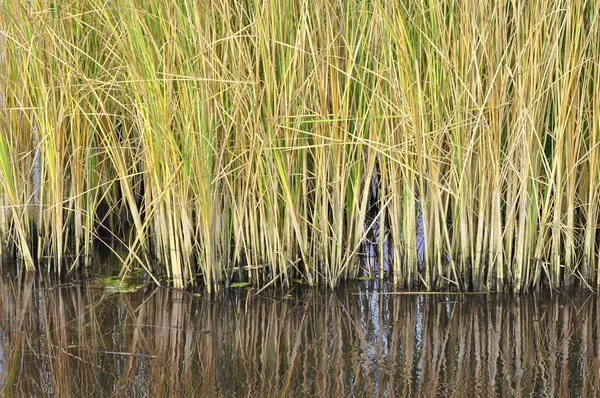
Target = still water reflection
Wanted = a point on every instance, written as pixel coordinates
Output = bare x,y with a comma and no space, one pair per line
87,339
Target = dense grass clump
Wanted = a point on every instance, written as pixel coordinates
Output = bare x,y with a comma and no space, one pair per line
265,140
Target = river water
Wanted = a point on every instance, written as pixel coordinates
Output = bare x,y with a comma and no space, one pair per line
96,339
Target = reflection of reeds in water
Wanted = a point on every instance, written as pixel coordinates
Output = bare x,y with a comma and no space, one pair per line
83,340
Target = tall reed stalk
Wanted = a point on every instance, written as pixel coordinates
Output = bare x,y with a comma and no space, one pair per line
223,141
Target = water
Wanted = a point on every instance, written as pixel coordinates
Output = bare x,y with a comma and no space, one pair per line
89,339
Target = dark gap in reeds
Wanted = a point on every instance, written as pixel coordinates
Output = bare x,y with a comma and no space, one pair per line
239,142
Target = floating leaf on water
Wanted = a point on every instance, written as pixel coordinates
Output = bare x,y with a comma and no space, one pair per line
239,285
119,285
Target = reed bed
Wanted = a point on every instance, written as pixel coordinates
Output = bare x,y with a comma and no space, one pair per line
83,340
225,141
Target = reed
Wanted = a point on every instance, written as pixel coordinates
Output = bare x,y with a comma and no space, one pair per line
264,140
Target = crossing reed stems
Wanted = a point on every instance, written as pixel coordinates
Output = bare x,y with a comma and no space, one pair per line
223,141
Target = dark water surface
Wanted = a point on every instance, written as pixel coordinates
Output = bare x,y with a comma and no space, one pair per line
88,339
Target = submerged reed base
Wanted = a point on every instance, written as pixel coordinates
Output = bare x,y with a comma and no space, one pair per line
265,140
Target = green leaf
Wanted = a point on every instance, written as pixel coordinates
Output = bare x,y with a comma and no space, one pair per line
239,285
